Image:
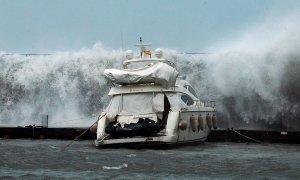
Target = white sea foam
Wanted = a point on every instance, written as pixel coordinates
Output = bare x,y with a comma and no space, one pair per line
115,167
131,155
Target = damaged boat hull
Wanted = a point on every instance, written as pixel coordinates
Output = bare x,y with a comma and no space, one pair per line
171,136
154,92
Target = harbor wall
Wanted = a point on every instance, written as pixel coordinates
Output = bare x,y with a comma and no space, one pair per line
224,135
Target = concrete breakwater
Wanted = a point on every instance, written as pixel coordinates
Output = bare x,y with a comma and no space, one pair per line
222,135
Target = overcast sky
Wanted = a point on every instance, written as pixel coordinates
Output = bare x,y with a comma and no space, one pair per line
45,26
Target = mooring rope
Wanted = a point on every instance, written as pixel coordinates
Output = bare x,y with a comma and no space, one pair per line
77,137
246,136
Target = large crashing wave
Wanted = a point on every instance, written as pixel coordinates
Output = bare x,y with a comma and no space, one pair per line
69,87
254,79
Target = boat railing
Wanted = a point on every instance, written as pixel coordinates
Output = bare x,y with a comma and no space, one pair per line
210,103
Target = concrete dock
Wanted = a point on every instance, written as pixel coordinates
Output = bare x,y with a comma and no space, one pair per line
36,132
222,135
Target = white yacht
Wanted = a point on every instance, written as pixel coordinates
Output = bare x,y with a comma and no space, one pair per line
152,105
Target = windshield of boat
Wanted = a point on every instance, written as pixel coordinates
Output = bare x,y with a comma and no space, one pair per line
191,90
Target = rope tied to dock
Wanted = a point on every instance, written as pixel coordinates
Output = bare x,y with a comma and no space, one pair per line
247,137
77,137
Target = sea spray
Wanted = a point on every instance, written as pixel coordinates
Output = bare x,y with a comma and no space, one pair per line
253,78
68,86
249,88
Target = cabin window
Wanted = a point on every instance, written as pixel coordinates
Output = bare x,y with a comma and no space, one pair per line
187,100
191,90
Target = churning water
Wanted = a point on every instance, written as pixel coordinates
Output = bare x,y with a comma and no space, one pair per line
27,159
254,79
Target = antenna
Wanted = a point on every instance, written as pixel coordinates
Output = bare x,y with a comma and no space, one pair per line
122,40
142,46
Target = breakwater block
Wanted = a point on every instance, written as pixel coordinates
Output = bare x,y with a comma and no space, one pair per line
32,132
221,135
267,136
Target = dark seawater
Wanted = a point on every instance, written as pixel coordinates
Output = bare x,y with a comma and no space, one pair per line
44,159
